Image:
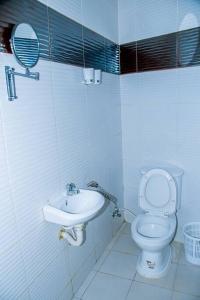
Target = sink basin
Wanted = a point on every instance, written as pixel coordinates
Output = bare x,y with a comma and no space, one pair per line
75,209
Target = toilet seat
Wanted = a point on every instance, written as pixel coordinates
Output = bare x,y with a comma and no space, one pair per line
157,193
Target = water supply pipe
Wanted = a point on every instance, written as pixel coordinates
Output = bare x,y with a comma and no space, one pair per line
93,185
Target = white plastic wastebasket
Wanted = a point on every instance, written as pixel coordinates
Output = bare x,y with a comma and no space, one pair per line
191,233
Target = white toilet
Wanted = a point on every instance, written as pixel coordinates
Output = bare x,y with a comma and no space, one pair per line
154,229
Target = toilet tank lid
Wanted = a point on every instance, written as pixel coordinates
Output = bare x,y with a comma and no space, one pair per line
172,170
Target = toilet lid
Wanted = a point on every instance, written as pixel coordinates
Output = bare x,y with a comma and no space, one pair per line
157,193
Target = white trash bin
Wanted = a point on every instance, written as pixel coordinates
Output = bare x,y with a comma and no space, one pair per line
191,233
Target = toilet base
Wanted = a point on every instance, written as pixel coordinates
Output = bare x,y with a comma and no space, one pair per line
154,264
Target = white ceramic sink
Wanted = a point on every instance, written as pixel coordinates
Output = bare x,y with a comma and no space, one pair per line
74,209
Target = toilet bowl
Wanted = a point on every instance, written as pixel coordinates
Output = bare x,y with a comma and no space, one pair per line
154,229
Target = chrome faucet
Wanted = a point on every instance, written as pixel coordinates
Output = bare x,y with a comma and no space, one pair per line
72,189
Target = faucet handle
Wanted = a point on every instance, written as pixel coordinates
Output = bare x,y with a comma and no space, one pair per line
72,189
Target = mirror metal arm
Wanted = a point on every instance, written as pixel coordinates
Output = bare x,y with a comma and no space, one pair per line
10,80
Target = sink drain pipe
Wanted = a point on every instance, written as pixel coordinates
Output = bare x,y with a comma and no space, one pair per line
74,235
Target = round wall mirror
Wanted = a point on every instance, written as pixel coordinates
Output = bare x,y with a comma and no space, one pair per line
25,45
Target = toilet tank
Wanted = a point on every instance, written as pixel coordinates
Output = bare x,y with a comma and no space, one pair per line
174,171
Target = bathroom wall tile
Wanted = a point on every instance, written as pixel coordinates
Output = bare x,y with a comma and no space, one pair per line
127,229
77,255
31,143
68,8
25,296
101,100
102,225
142,291
50,132
126,21
120,264
43,1
158,86
157,53
187,284
188,14
101,17
129,88
152,17
36,254
84,270
158,116
71,123
165,282
188,144
187,85
94,50
128,58
142,19
54,279
100,260
187,47
176,251
66,45
67,293
8,234
132,135
117,221
112,57
113,241
131,199
13,281
182,258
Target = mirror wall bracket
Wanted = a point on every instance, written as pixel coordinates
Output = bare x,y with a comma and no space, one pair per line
10,80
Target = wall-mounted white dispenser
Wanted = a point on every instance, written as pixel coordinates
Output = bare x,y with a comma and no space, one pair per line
88,74
97,77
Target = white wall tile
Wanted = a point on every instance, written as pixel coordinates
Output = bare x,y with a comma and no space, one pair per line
12,280
56,132
102,225
83,272
140,19
7,215
43,1
77,255
127,21
68,8
71,123
67,293
160,121
25,296
30,136
102,17
155,17
52,281
188,14
39,248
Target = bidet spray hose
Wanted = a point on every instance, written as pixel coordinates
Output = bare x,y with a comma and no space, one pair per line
126,209
96,187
